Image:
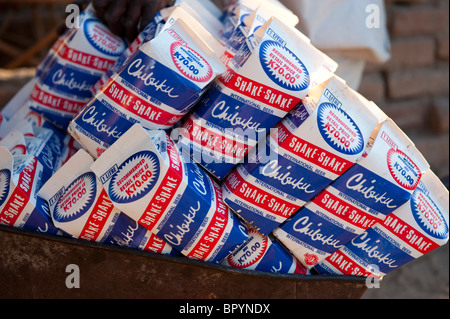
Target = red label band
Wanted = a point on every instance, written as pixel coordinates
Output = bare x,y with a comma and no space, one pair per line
258,197
20,196
214,141
345,211
409,235
55,102
98,85
166,190
58,43
215,229
226,57
346,265
14,207
155,244
300,268
84,59
258,91
98,217
310,152
139,107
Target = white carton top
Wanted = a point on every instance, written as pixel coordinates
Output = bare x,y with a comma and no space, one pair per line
202,15
193,20
205,64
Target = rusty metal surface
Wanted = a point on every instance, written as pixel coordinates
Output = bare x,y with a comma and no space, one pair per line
33,265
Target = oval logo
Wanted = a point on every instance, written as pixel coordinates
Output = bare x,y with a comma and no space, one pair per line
250,253
77,199
191,64
339,130
5,181
134,178
283,67
403,170
428,216
102,39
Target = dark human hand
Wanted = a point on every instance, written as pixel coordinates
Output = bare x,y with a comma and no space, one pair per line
82,4
126,18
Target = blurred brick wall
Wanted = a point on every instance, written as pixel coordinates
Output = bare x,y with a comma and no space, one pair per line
413,86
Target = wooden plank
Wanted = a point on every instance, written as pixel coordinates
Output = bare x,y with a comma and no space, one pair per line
9,49
35,49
